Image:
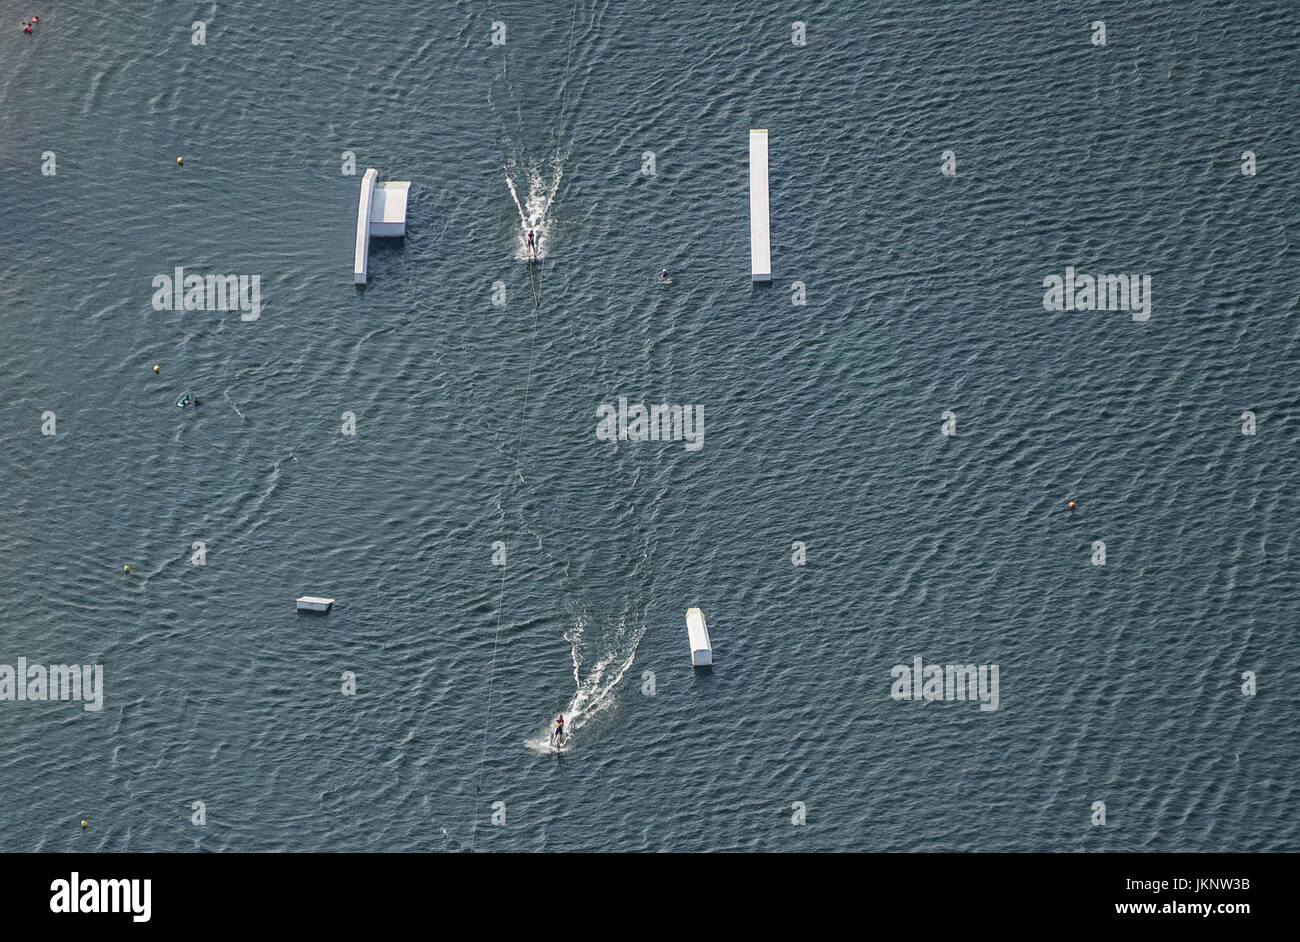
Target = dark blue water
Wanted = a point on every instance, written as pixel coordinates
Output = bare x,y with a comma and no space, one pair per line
476,423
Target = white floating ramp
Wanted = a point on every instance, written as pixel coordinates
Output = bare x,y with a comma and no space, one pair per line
388,209
698,632
760,245
312,603
381,213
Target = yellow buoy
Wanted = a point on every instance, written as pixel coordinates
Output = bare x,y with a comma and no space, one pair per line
156,367
83,823
126,568
180,161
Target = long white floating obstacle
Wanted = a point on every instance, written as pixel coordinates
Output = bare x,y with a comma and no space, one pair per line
760,246
698,633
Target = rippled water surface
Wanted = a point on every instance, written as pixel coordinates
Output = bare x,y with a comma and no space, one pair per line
475,423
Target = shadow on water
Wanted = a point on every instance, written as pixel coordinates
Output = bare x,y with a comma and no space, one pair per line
385,258
703,679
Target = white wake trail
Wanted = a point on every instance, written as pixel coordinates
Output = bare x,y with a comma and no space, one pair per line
601,659
534,211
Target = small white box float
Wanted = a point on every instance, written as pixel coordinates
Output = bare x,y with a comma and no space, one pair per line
310,603
698,632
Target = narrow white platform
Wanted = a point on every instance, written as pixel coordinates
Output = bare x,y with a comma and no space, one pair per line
760,247
360,260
